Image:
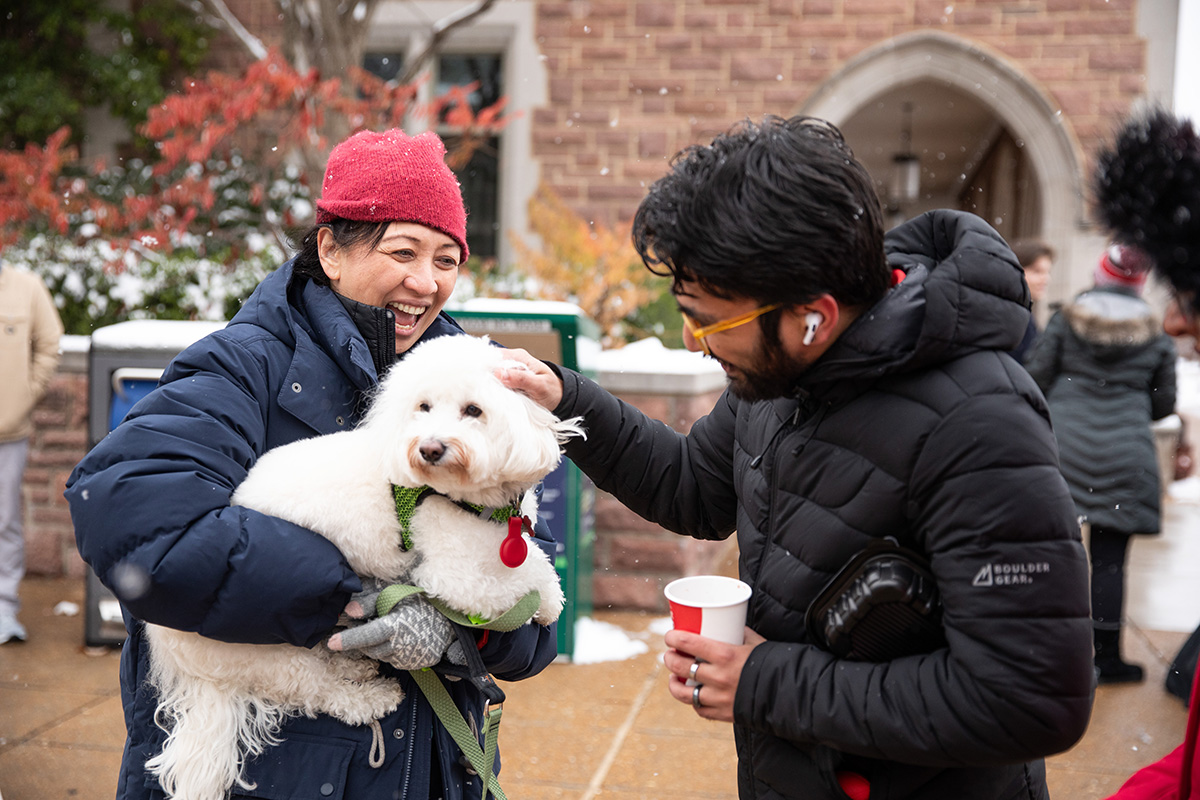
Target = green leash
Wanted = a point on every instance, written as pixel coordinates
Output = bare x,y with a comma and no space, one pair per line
482,759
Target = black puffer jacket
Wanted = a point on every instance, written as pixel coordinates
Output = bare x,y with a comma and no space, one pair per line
915,424
1107,370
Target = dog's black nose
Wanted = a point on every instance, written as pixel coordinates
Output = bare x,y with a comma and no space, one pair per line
432,451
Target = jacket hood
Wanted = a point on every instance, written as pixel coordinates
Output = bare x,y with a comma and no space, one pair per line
267,306
963,291
1112,322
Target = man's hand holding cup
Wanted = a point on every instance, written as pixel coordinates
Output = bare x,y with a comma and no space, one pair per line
710,642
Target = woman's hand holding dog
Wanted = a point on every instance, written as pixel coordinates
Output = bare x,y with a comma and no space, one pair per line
413,635
536,380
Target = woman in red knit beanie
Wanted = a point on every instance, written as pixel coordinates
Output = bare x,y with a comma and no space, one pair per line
298,360
391,231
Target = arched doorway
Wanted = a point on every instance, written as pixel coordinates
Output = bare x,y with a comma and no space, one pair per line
963,155
987,138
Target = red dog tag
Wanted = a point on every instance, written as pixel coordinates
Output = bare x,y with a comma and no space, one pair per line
514,549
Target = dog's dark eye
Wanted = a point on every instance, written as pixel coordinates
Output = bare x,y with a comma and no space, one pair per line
472,410
423,407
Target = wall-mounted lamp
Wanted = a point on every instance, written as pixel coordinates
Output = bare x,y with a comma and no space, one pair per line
906,167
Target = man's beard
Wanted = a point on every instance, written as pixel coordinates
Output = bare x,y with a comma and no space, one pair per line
773,374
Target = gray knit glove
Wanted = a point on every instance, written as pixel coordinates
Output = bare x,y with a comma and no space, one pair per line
413,635
362,603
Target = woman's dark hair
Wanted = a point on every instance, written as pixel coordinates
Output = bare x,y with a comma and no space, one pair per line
347,233
779,212
1028,251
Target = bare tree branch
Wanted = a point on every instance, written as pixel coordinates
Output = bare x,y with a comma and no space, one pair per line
330,36
442,29
232,24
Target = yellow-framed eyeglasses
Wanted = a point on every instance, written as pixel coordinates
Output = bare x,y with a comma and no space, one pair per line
700,333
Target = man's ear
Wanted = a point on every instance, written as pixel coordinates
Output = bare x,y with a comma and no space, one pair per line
329,254
815,323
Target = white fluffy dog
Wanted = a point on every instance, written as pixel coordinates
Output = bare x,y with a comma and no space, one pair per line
441,419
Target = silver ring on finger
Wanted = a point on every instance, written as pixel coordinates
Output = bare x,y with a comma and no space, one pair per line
696,704
692,670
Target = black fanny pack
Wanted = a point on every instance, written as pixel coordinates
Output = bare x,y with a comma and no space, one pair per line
882,605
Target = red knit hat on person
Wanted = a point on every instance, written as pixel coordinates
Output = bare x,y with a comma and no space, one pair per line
1122,266
394,177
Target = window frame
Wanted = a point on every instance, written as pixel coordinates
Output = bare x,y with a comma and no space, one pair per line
508,30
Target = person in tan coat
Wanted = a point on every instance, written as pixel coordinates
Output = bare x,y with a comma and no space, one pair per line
30,329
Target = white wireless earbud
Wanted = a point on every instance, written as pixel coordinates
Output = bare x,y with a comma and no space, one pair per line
812,321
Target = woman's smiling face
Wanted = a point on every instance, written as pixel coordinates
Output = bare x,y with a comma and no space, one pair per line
411,272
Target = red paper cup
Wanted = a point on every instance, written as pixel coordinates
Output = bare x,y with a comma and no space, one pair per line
710,605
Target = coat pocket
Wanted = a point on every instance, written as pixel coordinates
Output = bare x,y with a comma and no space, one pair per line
299,768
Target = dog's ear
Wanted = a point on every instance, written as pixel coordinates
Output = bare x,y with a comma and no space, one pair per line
386,398
564,429
541,418
534,438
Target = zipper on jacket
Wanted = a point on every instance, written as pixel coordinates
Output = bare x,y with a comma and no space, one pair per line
794,424
412,745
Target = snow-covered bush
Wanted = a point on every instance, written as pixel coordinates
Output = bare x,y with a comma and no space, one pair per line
95,285
233,239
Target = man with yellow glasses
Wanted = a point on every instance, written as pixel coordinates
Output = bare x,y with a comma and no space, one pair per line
700,333
871,403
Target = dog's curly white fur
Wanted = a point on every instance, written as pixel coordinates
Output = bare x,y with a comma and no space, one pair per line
441,418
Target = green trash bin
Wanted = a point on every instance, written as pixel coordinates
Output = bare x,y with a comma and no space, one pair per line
557,332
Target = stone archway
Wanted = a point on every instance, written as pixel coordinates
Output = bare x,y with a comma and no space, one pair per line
1031,116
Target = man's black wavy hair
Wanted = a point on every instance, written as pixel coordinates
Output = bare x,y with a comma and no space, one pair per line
1147,192
779,212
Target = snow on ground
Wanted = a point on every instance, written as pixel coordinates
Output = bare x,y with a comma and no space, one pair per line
597,641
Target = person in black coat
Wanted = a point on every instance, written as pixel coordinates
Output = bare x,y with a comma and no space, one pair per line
1108,371
871,396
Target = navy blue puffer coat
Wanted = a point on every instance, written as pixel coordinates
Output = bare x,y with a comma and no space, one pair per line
915,424
150,504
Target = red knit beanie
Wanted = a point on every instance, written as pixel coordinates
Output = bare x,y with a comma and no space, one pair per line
1122,266
394,177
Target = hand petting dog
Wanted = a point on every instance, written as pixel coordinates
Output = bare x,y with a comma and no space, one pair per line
536,380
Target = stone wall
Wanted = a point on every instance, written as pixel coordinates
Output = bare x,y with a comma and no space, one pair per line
633,558
629,84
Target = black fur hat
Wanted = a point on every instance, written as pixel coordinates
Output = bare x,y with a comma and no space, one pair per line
1147,188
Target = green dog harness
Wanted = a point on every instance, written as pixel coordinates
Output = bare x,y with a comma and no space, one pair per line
513,549
407,499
